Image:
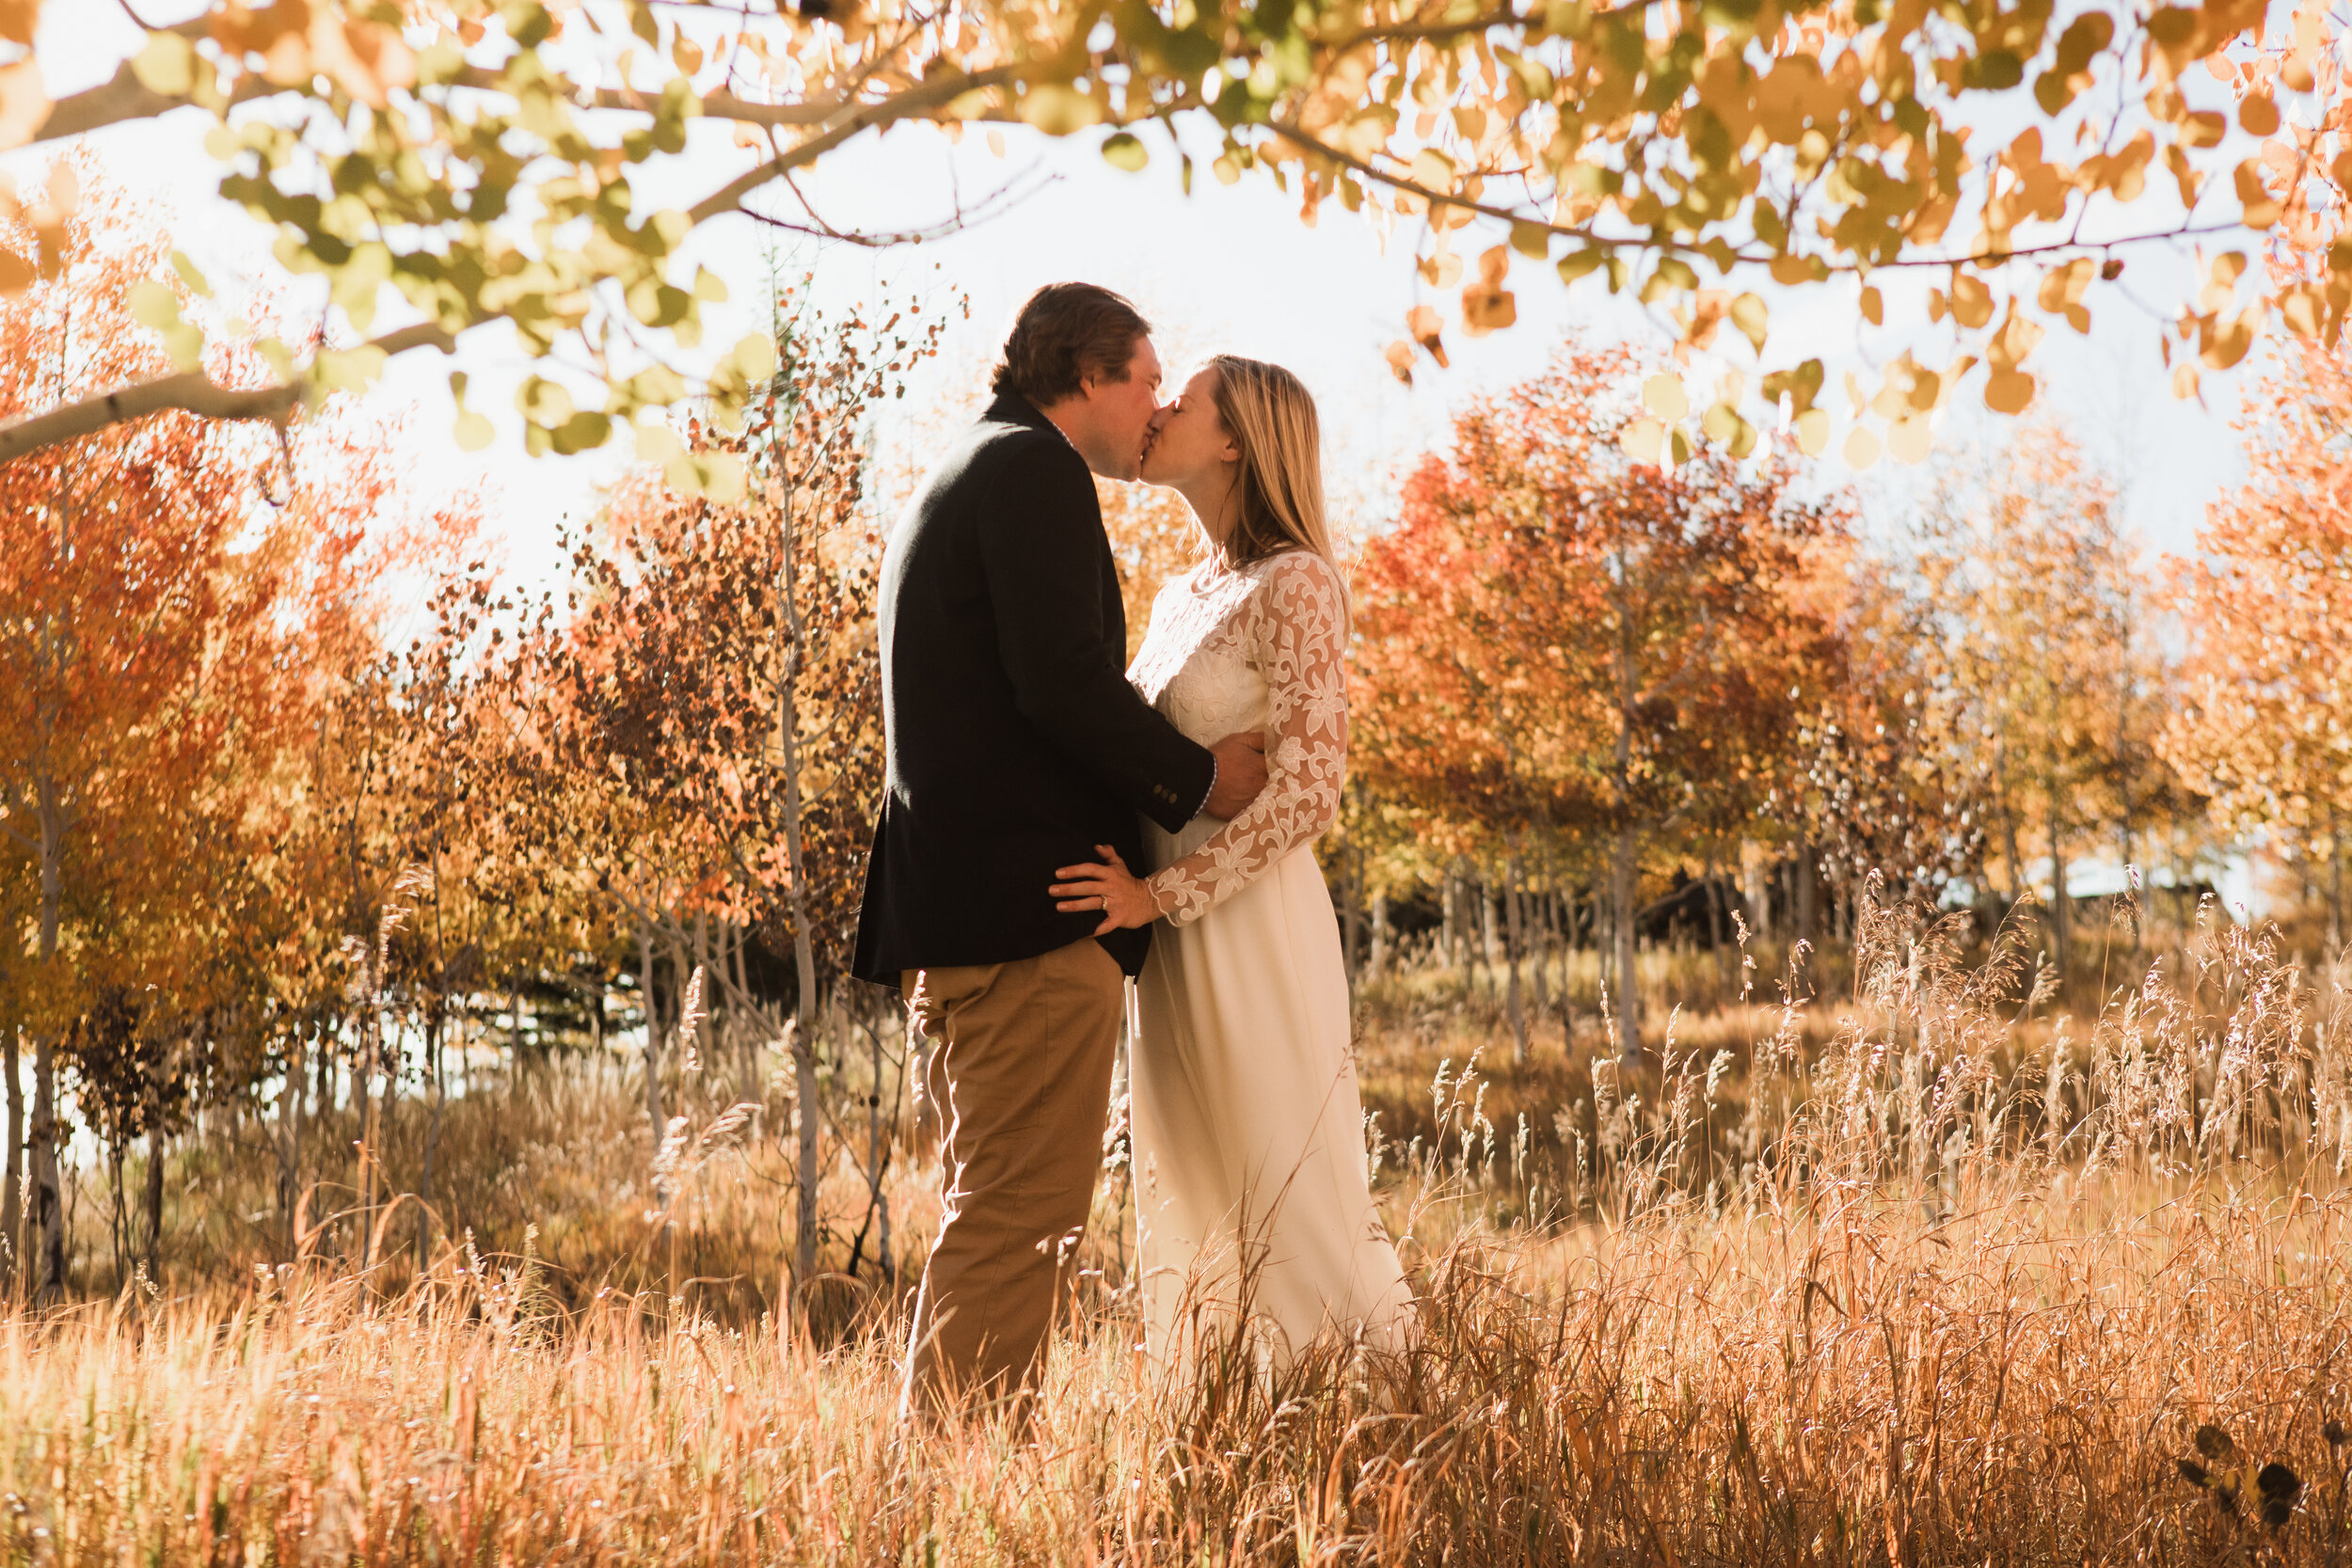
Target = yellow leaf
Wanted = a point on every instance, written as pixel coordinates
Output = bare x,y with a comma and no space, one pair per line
754,356
1721,422
1791,270
1400,356
1662,395
167,65
154,305
721,476
2303,312
1749,315
188,275
996,147
348,369
1642,441
2009,391
2183,381
1910,439
1433,170
1813,428
19,21
474,430
1057,110
1873,308
2258,115
1743,439
1861,449
2225,347
656,442
2261,206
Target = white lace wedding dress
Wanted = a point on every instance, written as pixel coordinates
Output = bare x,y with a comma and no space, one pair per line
1249,1163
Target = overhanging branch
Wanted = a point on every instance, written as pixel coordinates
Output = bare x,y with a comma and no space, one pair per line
932,94
124,99
192,391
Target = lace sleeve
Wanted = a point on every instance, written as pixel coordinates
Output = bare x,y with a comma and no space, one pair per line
1297,630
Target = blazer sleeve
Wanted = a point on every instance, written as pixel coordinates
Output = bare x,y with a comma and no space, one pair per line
1043,552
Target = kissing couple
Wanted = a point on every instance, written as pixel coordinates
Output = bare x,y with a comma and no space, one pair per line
1051,826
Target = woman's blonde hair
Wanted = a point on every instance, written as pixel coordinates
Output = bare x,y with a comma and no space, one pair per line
1271,417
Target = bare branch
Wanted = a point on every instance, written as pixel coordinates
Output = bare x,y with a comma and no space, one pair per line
195,391
717,105
941,89
124,99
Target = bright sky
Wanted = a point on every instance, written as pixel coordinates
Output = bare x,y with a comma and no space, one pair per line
1223,268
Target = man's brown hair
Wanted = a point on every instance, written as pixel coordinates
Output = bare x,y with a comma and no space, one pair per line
1066,333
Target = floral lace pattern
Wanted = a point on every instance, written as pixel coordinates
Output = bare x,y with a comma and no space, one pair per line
1262,646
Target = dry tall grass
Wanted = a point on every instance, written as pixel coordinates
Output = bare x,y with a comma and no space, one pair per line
1930,1290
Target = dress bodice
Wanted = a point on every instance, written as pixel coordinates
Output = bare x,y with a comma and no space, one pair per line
1194,666
1261,646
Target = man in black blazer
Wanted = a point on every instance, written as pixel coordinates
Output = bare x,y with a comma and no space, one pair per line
1016,746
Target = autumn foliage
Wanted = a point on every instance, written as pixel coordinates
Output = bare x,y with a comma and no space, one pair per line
309,811
2266,727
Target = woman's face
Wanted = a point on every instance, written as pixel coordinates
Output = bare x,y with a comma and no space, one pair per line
1188,445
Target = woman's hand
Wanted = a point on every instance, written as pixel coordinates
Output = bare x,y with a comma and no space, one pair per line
1113,889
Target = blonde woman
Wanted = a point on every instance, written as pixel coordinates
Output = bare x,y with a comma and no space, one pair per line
1252,1198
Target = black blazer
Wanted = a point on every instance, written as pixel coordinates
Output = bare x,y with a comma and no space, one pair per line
1015,743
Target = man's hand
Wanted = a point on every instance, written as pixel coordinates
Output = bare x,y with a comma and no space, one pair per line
1240,774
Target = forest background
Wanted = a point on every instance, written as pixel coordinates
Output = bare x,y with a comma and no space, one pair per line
271,863
437,967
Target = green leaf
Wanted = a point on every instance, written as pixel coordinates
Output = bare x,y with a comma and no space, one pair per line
188,275
154,304
583,431
1125,151
1577,264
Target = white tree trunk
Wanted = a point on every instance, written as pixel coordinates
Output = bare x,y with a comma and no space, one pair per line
1622,891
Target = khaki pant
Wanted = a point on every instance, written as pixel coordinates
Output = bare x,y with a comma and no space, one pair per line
1020,1083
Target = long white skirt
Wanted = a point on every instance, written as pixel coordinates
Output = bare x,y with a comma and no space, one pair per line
1251,1192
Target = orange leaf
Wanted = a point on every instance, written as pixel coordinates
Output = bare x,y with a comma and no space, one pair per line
23,102
2009,391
